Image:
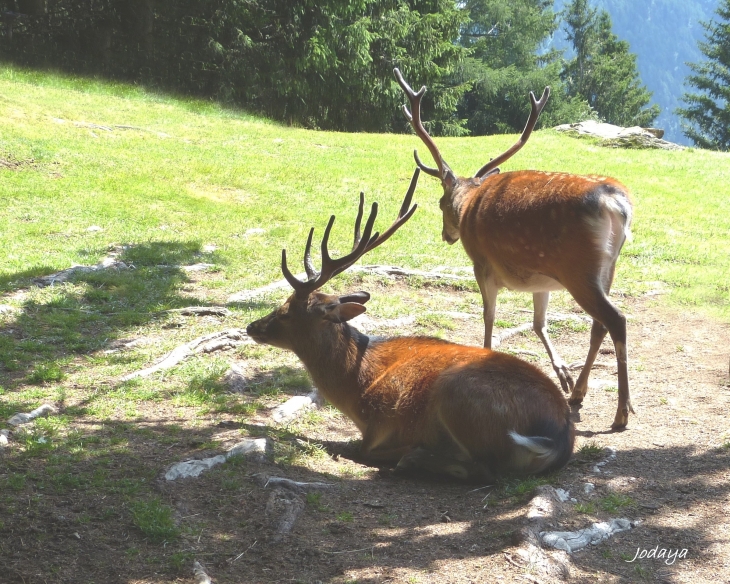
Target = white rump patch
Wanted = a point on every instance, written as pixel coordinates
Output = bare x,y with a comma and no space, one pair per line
531,444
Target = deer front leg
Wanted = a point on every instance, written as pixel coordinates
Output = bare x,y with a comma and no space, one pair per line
539,324
378,444
441,463
489,290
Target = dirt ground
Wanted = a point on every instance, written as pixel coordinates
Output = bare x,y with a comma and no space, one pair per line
670,475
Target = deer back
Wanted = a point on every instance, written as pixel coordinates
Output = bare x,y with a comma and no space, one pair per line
527,222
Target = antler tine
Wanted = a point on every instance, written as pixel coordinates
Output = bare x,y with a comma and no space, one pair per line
403,215
330,267
414,117
531,121
356,239
298,285
427,169
308,265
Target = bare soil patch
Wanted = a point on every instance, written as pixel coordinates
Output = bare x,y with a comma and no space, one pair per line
74,521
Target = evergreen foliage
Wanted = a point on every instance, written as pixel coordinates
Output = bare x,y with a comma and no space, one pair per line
503,37
664,36
328,63
603,71
707,113
318,63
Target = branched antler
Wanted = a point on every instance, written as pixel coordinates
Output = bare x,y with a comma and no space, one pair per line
363,243
531,121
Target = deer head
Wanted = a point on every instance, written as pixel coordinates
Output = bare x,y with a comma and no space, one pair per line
307,312
456,189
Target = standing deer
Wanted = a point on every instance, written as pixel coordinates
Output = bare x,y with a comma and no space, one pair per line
536,232
421,402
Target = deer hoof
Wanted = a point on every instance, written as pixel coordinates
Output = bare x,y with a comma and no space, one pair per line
622,418
575,399
566,380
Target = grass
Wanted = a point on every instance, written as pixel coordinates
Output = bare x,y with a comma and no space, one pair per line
615,502
196,174
155,520
185,182
590,451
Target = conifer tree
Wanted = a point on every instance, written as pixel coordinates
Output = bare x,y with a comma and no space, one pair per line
504,38
707,113
604,71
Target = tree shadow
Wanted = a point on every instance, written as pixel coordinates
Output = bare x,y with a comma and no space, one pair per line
59,323
92,480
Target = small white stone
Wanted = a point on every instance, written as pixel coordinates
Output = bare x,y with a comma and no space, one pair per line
198,267
563,495
588,488
24,418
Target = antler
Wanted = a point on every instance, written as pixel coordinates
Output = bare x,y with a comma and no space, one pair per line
414,117
532,120
362,244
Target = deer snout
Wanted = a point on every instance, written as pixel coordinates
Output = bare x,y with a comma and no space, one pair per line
254,331
448,238
258,330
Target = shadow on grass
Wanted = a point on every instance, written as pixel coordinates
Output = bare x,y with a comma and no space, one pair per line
58,323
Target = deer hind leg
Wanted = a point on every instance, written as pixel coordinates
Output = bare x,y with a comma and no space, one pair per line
539,324
596,304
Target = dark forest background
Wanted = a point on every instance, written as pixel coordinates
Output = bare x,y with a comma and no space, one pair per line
328,63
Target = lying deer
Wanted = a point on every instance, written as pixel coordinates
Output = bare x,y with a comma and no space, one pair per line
535,232
420,402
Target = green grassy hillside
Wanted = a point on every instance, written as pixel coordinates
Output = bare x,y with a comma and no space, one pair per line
167,183
183,174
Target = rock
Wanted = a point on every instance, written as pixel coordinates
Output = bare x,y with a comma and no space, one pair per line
563,495
194,468
571,541
235,379
198,267
23,418
618,137
291,409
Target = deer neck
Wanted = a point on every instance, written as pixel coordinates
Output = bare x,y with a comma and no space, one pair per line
339,365
461,193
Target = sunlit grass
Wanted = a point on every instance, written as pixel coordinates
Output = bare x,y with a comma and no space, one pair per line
171,182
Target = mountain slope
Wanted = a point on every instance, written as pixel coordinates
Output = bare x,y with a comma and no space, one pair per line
664,36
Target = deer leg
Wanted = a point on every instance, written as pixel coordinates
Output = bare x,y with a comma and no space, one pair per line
378,444
596,303
489,298
598,333
539,324
442,463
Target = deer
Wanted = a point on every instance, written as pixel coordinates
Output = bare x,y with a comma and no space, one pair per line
421,403
535,231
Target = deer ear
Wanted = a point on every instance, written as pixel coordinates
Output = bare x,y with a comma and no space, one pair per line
449,180
343,312
359,297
